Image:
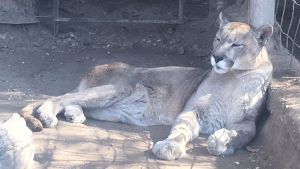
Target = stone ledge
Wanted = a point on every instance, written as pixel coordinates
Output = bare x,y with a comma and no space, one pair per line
280,136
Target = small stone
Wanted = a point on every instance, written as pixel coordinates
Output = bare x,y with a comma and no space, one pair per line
35,44
251,149
170,30
181,51
128,44
173,41
86,43
72,35
4,47
236,162
73,44
3,36
195,46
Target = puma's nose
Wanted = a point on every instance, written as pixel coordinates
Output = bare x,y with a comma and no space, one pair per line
218,58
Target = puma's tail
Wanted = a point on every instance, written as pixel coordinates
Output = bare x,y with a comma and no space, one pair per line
28,113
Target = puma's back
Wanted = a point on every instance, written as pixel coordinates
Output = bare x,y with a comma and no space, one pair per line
155,95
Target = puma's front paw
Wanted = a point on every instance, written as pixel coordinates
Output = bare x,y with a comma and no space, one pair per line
168,149
47,113
219,143
74,114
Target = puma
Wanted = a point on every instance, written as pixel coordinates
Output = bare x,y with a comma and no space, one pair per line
223,102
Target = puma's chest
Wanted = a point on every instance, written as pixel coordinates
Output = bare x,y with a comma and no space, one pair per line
233,95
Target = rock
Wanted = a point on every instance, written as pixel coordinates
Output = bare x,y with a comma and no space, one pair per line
181,51
72,35
251,149
86,43
16,146
170,30
237,162
3,36
36,44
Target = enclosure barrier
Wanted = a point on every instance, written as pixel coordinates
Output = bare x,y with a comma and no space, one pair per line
288,21
56,18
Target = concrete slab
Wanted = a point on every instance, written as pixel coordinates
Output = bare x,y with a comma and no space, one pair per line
281,133
113,145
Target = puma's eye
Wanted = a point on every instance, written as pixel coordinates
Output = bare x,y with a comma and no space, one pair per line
237,45
218,39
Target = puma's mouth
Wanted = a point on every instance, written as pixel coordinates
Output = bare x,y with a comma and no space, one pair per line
222,66
220,70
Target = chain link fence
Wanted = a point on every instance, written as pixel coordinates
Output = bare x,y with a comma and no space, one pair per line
288,21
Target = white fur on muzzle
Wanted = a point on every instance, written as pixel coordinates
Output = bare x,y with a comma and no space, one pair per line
222,66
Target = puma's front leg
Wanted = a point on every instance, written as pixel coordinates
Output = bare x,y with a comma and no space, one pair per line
225,141
48,110
184,130
74,114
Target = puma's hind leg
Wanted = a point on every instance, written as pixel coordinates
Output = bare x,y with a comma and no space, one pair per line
72,103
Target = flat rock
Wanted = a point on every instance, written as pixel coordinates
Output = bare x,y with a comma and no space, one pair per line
16,148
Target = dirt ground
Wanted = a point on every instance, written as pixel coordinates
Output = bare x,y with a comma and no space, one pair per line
34,64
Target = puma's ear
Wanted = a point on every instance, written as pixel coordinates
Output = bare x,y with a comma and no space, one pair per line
222,20
264,33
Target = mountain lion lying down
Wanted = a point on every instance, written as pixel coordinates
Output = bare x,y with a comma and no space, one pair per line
223,102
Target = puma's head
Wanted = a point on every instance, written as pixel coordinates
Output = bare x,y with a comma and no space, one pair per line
237,45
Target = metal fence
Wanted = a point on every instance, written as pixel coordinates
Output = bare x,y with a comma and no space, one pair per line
288,21
57,18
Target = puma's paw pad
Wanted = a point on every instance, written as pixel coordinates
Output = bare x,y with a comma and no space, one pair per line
168,150
74,114
219,143
47,113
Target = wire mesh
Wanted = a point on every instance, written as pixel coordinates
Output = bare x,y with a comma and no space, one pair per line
288,21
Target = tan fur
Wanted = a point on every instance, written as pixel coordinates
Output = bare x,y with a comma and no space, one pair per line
224,104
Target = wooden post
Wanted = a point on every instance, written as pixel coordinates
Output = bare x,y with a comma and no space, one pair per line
261,12
55,16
